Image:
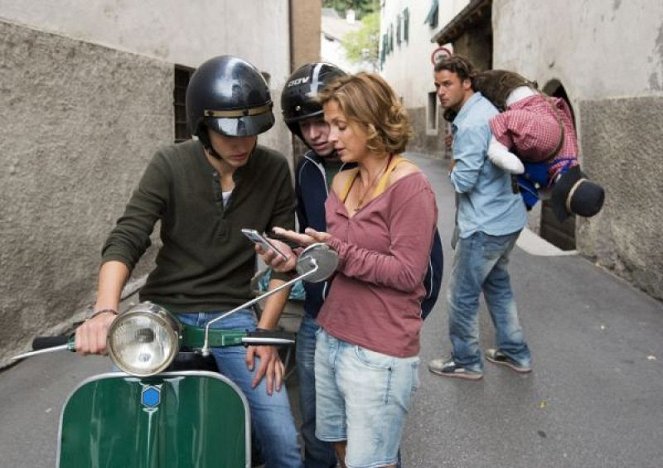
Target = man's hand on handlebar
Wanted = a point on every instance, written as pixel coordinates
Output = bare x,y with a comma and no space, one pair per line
91,335
270,366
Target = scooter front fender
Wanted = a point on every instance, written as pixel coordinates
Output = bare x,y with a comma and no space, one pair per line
171,420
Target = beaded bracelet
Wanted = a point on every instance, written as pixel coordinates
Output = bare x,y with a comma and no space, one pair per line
101,311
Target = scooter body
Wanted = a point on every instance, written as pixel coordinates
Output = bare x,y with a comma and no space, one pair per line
170,420
166,408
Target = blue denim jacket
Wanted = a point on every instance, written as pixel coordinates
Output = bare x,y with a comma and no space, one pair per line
486,201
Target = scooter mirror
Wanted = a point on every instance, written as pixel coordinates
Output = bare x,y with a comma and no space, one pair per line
320,255
316,263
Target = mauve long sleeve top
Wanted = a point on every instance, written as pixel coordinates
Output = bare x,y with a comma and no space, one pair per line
375,296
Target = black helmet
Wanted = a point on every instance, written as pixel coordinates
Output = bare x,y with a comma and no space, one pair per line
298,97
228,95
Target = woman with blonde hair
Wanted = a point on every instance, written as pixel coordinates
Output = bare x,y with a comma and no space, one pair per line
381,216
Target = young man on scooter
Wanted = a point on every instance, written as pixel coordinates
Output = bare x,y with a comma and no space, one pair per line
204,192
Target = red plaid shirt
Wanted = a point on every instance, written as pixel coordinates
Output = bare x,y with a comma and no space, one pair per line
530,127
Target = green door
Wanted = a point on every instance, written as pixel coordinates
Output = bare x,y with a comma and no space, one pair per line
172,420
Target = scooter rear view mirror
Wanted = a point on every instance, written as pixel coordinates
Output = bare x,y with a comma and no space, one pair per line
320,256
316,263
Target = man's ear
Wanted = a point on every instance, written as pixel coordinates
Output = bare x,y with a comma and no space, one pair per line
467,84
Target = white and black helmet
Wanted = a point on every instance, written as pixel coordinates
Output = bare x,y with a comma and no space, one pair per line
298,99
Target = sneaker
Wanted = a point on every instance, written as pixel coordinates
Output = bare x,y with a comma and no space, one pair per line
450,369
498,357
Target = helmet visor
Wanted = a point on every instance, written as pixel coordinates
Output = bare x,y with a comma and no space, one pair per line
240,122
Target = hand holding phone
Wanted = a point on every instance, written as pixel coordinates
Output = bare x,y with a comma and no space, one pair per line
257,238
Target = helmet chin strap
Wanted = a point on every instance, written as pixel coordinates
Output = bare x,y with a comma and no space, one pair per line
207,144
204,138
212,152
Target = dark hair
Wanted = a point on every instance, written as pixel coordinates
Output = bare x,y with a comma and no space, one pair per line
457,64
496,85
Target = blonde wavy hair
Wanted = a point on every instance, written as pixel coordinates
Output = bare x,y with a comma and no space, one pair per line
367,100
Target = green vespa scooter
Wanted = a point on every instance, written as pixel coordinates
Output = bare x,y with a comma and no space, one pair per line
159,412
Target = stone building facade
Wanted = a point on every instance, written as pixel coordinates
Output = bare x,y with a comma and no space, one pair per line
590,54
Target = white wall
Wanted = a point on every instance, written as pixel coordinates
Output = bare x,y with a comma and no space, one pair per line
449,9
609,57
408,68
597,49
182,32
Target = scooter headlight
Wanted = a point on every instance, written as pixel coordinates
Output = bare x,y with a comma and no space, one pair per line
144,340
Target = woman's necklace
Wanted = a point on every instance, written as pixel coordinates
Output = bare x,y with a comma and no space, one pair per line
370,186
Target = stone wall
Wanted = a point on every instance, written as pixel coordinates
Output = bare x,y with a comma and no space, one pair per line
79,123
182,33
621,145
617,96
423,142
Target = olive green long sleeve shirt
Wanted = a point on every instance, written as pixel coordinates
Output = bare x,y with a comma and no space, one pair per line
205,262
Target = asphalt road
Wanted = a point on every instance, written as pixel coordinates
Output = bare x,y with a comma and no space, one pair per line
595,398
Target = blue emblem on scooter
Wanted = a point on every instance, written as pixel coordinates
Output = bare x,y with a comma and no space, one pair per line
151,397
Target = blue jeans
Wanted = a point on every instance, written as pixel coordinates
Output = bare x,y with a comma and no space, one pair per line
317,454
363,397
480,264
271,417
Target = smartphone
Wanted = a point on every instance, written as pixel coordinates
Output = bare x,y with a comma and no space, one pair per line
256,237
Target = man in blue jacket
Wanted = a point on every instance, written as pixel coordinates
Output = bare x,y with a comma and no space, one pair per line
313,177
489,218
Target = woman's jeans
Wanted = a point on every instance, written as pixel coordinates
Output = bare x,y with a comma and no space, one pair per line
363,397
271,417
317,454
480,264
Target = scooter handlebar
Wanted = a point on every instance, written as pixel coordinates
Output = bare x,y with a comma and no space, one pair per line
48,344
45,342
268,337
